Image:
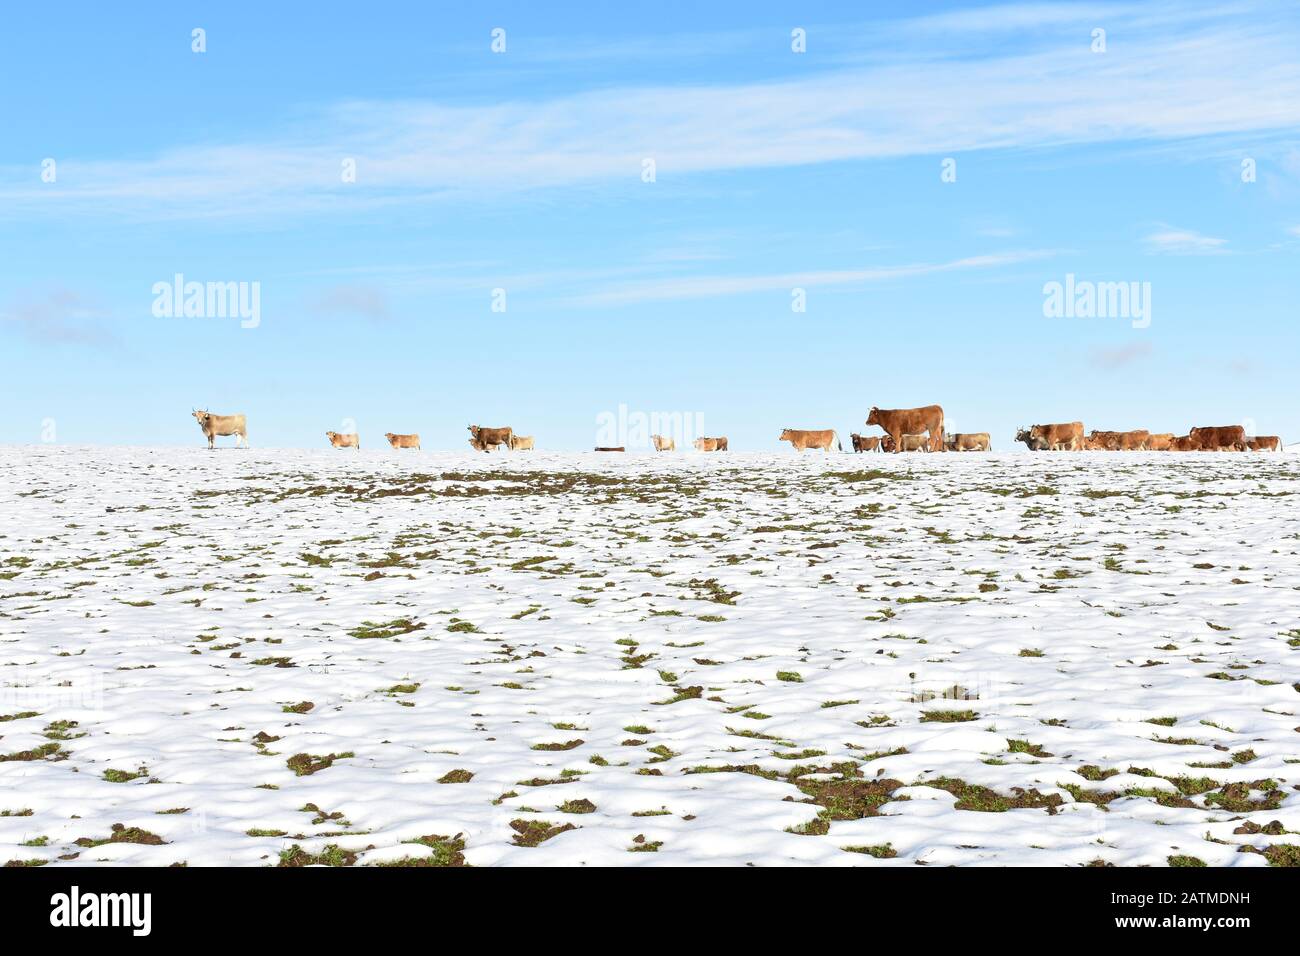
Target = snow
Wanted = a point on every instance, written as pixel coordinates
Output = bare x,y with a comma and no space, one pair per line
172,603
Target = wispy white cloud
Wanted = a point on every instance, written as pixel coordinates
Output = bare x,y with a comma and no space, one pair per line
352,300
1183,242
922,99
58,317
1120,356
713,286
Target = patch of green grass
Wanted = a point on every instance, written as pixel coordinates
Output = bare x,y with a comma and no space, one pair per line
304,765
125,776
369,630
567,745
881,851
534,832
947,716
331,855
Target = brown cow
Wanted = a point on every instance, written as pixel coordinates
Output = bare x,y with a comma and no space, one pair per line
802,438
222,425
663,444
403,441
522,443
1265,443
1184,443
710,444
491,438
919,442
862,443
968,441
1161,441
1220,437
910,421
887,443
1066,436
344,441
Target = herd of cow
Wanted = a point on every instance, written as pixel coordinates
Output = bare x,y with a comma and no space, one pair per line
1069,436
905,429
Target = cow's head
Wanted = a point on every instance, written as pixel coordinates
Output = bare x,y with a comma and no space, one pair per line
389,435
1022,434
873,417
332,436
785,435
473,430
202,416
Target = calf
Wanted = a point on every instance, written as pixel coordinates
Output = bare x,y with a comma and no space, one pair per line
968,441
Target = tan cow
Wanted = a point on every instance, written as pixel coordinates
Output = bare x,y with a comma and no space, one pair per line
802,438
1066,436
521,443
490,438
1220,437
1161,441
344,441
862,443
1265,443
706,444
968,441
910,421
222,425
1118,441
403,441
919,442
663,444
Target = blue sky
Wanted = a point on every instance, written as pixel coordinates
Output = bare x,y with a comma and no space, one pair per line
523,171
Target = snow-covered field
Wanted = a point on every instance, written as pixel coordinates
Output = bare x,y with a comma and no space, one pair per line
245,657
